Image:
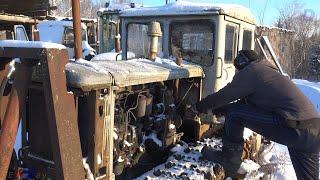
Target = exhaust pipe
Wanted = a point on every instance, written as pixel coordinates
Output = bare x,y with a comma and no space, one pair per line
77,29
36,35
154,31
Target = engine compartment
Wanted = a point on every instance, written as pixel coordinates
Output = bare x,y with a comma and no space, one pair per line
149,119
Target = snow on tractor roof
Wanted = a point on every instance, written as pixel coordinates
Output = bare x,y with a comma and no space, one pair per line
60,23
190,8
117,7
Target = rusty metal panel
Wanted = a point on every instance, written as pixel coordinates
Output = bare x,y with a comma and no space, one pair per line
101,125
60,109
13,52
39,137
95,148
13,114
109,130
61,113
4,99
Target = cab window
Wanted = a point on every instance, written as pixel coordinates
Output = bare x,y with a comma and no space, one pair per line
68,39
246,40
109,31
193,40
138,40
231,42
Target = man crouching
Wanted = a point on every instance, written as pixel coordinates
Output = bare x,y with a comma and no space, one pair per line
273,106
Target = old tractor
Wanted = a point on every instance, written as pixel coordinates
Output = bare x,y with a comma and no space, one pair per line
96,119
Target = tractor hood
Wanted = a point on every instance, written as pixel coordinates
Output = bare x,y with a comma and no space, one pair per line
88,75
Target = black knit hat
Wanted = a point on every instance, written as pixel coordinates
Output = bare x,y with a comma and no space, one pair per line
250,54
244,58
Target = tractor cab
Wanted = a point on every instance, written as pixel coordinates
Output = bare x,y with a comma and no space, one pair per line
209,35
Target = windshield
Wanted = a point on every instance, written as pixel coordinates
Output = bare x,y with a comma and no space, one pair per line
68,40
108,32
138,40
193,40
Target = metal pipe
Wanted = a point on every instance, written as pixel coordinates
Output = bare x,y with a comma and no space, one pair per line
8,133
77,29
153,48
117,38
179,61
12,116
36,35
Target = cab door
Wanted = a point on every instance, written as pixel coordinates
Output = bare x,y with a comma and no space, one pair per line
230,52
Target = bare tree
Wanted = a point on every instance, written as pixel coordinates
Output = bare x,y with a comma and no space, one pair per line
262,12
305,25
88,8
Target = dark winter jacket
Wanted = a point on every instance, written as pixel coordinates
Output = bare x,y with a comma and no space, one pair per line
263,86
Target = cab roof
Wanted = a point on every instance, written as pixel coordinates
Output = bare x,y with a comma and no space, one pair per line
59,23
190,8
117,7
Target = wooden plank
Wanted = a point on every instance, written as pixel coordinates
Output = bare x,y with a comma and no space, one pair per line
16,18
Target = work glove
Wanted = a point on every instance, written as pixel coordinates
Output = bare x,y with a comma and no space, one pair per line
193,114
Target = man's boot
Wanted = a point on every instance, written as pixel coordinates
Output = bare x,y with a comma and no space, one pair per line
229,157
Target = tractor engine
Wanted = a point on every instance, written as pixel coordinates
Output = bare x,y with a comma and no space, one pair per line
145,122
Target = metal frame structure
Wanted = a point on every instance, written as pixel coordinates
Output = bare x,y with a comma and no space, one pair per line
62,117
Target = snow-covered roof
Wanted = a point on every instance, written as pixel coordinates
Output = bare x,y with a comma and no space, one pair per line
117,7
30,44
88,75
60,23
61,18
191,8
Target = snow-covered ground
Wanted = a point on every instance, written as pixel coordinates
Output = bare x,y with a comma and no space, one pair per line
274,161
311,90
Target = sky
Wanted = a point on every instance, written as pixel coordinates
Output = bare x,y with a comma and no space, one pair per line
265,11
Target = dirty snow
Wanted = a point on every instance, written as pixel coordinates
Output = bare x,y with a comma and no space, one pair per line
186,162
274,161
89,175
30,44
